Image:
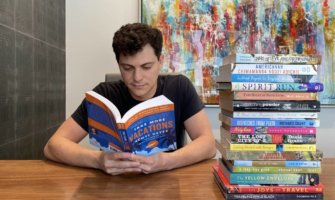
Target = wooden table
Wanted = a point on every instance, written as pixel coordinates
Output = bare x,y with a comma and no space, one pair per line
38,179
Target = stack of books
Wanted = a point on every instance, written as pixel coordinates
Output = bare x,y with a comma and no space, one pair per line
269,114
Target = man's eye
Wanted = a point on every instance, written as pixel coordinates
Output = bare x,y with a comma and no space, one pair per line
126,68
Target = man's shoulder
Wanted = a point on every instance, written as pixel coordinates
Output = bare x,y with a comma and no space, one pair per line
108,87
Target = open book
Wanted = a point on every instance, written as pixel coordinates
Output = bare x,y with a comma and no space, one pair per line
145,129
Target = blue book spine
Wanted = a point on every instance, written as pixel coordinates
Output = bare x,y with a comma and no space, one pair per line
272,78
275,122
286,163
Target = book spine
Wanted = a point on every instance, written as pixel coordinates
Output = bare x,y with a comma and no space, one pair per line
280,106
279,69
280,87
268,155
283,179
269,122
271,130
292,196
277,170
272,58
287,115
271,138
277,163
255,189
296,96
272,147
271,78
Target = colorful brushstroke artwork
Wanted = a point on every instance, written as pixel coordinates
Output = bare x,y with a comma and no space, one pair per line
199,33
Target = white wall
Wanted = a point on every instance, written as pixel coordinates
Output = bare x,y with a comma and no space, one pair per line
90,26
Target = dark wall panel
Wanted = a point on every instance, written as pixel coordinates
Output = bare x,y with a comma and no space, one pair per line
32,75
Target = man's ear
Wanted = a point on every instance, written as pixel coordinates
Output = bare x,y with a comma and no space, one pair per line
160,61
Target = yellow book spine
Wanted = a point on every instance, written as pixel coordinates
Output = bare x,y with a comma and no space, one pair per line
299,147
253,147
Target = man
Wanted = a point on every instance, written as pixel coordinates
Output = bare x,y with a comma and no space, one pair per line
137,48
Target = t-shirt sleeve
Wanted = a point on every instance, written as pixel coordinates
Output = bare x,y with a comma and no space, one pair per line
80,114
191,102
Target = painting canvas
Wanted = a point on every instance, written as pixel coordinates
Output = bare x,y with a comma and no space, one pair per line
198,34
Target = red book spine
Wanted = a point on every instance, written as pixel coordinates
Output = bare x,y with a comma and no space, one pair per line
234,188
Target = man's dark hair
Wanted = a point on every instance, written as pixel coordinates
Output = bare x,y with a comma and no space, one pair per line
131,38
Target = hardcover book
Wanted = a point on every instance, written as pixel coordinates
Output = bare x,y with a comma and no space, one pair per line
260,178
272,58
275,106
145,129
230,72
237,138
268,147
268,155
253,95
281,122
266,78
269,130
278,87
259,189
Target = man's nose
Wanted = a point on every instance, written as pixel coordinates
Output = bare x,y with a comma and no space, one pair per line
138,75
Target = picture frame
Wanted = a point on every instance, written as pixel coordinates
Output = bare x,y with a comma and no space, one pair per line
198,34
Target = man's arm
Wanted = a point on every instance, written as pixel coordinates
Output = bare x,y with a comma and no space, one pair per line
63,147
202,147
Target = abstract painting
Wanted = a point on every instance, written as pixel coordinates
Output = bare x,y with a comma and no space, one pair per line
197,34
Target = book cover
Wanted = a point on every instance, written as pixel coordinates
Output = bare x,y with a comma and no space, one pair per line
273,96
270,114
256,188
267,138
272,58
278,87
266,78
145,129
260,178
272,169
269,105
269,130
278,163
280,122
268,155
268,147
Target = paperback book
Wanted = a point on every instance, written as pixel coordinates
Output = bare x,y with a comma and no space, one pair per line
272,58
145,129
259,189
264,178
274,87
268,155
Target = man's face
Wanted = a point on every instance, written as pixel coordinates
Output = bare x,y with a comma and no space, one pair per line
140,72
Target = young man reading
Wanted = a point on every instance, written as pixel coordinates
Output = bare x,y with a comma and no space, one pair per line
137,48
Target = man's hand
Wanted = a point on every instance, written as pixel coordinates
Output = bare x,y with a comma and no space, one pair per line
153,163
119,163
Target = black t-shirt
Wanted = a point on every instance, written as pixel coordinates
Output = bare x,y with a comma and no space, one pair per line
177,88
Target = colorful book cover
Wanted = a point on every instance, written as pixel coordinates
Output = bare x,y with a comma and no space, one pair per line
267,78
272,169
267,138
272,122
268,155
269,130
259,95
268,147
145,129
272,58
270,114
260,178
278,87
278,163
269,106
259,189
